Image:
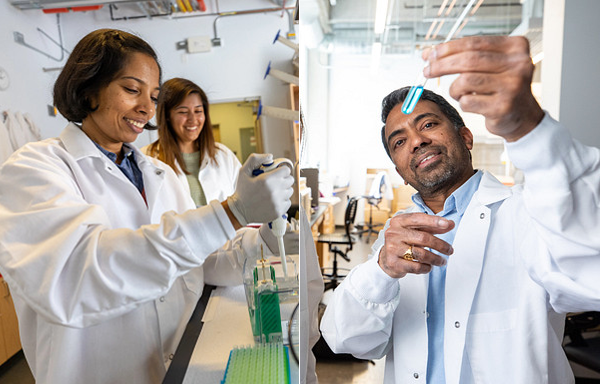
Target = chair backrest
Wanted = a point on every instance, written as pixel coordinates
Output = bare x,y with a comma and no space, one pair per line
349,217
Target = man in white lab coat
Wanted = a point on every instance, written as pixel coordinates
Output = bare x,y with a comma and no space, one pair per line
471,285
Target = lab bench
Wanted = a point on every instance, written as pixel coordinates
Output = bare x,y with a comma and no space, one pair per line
219,323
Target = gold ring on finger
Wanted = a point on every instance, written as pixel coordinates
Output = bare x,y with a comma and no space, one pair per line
408,255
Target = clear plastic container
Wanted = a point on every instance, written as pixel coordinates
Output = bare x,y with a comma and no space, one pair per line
271,297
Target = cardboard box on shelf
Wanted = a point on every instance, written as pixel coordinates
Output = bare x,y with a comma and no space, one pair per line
328,221
305,200
378,216
402,197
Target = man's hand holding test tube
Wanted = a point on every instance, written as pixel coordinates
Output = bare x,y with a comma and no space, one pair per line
417,90
494,80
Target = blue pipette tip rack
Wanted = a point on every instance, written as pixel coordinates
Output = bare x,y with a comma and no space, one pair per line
412,99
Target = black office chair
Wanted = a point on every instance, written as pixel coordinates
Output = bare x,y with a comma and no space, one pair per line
337,241
582,350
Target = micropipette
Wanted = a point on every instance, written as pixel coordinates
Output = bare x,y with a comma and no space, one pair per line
279,225
417,90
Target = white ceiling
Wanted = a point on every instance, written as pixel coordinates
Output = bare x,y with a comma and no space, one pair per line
349,23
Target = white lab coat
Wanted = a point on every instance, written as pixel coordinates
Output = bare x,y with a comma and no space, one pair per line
218,180
6,148
311,292
522,258
103,284
29,129
18,136
218,183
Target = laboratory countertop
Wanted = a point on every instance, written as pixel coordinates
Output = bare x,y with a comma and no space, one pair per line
219,323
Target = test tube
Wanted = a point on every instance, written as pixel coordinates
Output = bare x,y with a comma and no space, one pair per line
417,90
414,95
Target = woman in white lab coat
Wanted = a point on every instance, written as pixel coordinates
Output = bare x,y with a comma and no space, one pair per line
186,143
101,246
206,168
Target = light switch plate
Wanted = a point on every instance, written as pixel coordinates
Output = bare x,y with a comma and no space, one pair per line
199,44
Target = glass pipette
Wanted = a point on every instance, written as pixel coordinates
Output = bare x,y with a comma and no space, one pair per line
417,90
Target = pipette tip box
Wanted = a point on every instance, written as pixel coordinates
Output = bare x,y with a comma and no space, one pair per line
266,363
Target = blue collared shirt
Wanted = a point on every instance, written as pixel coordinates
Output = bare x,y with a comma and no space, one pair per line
454,209
128,165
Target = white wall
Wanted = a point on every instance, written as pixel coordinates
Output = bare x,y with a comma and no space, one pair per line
233,71
30,88
570,67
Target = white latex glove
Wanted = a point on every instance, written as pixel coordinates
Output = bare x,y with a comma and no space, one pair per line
291,240
262,198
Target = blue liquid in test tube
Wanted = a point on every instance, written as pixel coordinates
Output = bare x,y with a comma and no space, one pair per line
411,99
417,90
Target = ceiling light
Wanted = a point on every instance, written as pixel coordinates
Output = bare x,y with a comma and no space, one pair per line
476,7
459,20
437,30
442,7
450,7
380,16
430,29
376,55
462,26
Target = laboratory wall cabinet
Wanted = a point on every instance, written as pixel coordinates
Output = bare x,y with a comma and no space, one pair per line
10,342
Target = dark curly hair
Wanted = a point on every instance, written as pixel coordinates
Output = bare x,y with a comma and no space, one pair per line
398,96
96,61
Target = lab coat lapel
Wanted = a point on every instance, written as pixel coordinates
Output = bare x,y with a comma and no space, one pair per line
80,146
153,178
464,270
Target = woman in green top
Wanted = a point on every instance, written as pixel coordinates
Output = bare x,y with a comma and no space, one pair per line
209,169
186,143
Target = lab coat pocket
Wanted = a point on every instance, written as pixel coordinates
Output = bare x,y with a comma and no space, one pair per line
194,280
492,321
489,345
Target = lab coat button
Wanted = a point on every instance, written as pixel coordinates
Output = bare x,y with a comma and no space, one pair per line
416,375
482,216
162,299
171,356
457,324
159,172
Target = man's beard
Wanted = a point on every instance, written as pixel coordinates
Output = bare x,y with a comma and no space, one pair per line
446,173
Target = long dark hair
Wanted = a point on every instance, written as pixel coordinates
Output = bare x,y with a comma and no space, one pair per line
166,148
